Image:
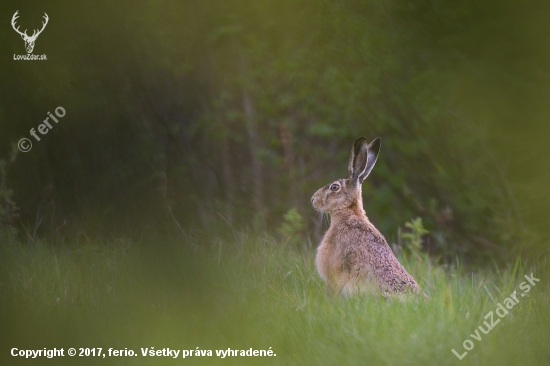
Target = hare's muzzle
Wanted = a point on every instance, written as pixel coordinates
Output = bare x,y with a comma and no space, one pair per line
314,200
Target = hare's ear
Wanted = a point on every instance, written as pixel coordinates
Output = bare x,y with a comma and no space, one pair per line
362,159
358,158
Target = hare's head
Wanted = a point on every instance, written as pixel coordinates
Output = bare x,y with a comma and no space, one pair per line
346,193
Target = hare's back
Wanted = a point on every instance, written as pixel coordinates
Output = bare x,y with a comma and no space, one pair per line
363,245
369,252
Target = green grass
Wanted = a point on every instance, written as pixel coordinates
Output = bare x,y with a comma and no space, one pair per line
252,292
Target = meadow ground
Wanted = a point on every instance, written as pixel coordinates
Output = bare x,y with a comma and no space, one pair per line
260,293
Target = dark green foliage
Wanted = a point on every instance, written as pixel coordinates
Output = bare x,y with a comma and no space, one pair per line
226,114
8,208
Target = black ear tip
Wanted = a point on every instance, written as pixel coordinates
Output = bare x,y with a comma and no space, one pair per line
376,143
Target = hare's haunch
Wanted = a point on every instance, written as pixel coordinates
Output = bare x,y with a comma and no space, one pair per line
354,256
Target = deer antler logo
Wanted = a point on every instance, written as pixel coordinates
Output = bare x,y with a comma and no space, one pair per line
29,41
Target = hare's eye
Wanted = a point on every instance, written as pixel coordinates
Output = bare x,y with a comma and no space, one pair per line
334,187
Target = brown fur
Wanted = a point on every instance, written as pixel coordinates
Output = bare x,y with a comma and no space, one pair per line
353,255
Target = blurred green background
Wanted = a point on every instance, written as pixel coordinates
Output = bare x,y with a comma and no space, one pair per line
226,114
179,181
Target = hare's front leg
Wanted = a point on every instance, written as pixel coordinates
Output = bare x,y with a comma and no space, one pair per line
336,282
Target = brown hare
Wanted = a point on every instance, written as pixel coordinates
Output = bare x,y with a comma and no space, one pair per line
353,255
